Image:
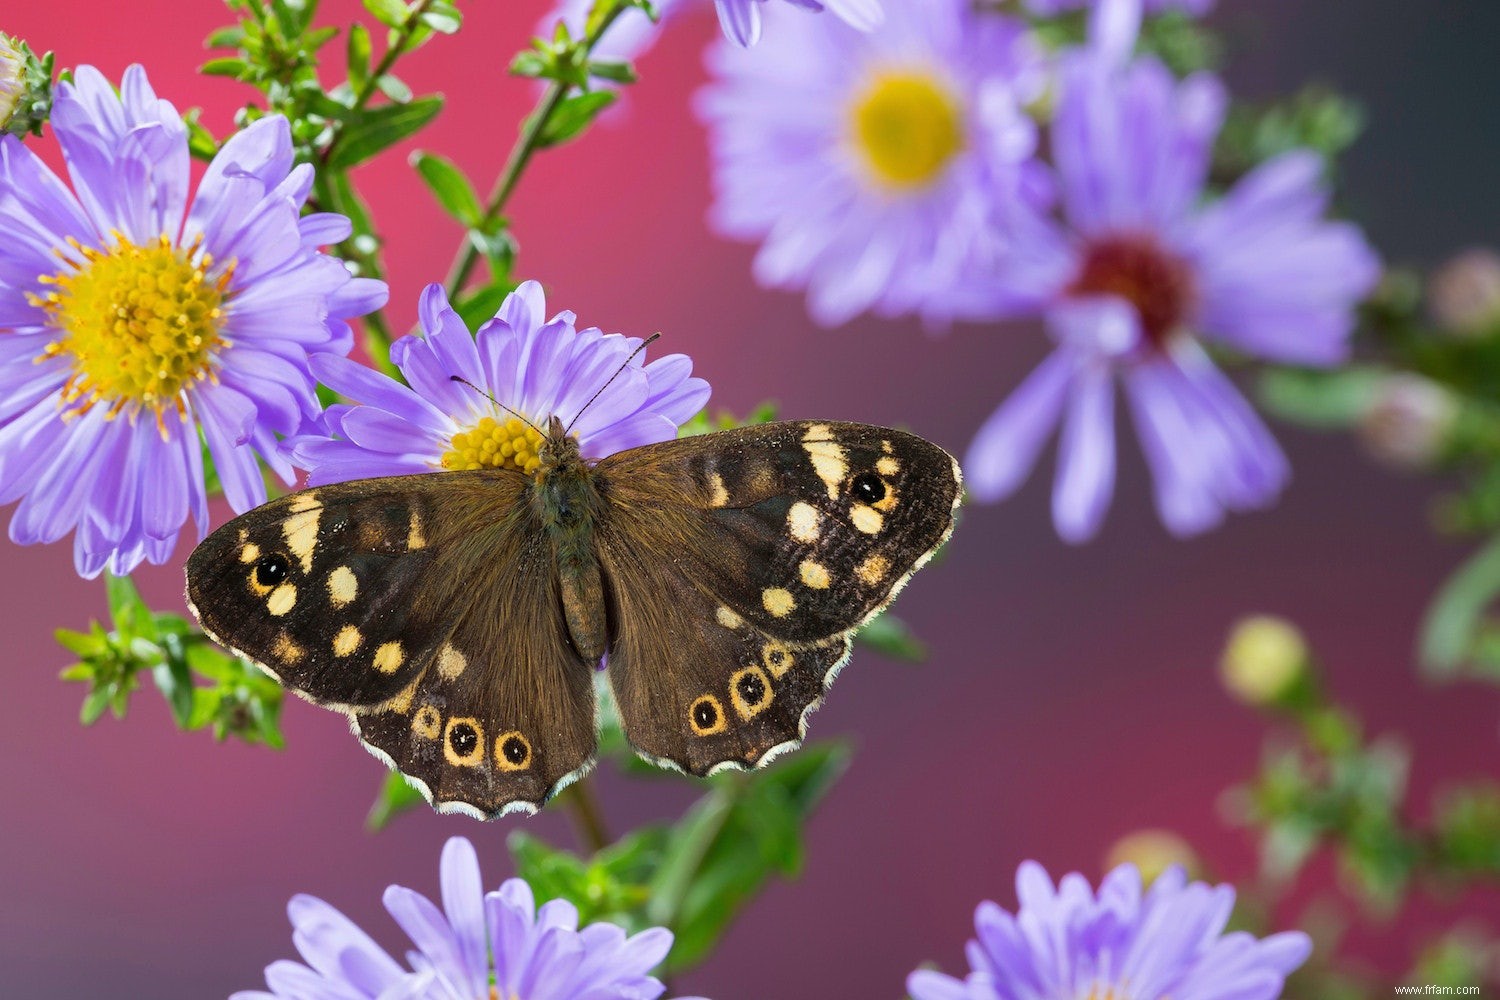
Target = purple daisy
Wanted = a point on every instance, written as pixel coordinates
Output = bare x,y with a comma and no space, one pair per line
1048,8
867,165
538,367
130,320
1136,268
1067,942
741,19
479,945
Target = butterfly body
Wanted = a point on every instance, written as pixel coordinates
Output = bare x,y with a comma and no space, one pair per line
458,618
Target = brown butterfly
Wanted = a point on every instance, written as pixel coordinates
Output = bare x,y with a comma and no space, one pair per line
458,617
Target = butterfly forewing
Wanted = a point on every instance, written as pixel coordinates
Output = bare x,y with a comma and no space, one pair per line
780,537
425,607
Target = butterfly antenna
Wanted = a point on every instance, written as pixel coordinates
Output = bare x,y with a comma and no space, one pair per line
644,344
488,395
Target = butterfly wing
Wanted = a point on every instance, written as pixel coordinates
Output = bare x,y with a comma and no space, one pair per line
740,564
425,608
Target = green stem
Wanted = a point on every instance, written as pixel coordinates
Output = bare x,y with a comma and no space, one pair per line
520,155
587,816
395,50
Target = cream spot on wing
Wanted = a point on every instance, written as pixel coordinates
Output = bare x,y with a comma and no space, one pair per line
301,531
873,569
389,657
346,641
777,658
728,618
249,552
867,519
401,704
427,723
720,495
342,586
778,601
829,463
414,537
887,465
814,574
282,599
285,650
887,447
451,662
305,501
802,522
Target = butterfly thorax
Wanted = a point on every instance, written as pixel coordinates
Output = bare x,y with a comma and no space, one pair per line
566,501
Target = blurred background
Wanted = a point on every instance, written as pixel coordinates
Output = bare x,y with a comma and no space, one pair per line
1070,697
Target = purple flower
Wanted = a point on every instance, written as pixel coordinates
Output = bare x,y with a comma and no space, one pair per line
479,945
740,19
1048,8
130,321
869,165
1136,269
1068,942
540,368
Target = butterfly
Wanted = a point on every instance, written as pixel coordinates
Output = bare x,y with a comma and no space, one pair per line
458,618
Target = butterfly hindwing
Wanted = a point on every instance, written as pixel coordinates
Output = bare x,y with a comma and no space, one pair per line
782,537
423,606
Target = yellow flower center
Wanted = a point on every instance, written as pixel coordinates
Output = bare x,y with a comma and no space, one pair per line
907,127
491,444
140,324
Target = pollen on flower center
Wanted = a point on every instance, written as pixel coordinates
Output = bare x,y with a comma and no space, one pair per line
491,444
140,324
907,127
1138,270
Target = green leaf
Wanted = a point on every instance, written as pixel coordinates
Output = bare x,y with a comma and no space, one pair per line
131,615
394,88
396,796
442,17
573,116
452,188
174,680
391,13
234,68
532,64
1329,400
481,306
1454,618
230,37
376,129
890,636
613,70
359,55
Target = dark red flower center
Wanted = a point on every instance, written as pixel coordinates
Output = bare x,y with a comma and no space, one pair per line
1138,270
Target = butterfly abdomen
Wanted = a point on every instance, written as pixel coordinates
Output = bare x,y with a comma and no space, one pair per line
567,503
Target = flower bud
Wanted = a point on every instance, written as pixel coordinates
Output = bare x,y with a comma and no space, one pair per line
1463,295
12,79
1152,852
1264,661
1409,423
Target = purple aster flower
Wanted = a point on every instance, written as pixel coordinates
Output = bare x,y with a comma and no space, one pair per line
478,946
741,19
538,367
1066,943
1138,267
130,321
1048,8
868,165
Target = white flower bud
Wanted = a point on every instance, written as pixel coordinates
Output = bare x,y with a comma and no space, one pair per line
12,79
1409,422
1464,294
1152,852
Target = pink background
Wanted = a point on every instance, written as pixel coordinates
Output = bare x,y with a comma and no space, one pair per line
1070,696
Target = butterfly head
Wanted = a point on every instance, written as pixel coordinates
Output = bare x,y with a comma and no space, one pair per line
559,449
